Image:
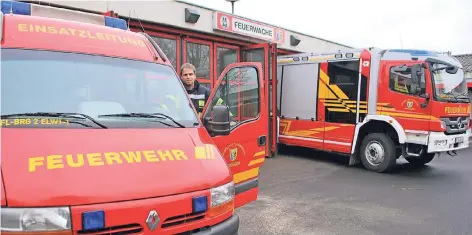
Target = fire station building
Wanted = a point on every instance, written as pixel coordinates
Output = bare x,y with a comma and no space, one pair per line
207,38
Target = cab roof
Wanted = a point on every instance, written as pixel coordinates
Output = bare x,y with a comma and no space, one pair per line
44,33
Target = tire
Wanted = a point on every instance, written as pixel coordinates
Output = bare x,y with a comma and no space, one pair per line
422,160
378,145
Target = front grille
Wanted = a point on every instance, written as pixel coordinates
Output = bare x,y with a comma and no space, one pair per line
182,219
456,125
115,230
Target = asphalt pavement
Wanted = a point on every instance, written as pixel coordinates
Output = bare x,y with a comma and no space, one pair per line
308,192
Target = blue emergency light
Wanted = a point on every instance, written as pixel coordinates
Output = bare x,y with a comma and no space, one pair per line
199,204
93,220
22,8
415,52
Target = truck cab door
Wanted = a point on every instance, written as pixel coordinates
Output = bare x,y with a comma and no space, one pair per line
242,88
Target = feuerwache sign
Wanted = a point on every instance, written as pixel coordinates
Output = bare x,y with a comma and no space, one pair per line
237,25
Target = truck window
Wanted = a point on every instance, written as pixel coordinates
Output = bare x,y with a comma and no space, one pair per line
47,81
400,80
239,89
299,91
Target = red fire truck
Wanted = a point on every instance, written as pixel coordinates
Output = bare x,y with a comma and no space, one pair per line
99,136
374,105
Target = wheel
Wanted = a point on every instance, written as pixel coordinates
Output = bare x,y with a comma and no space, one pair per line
424,159
378,153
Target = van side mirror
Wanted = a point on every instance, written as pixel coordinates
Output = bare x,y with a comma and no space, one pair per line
218,123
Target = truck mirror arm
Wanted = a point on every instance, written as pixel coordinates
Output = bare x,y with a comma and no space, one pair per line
427,97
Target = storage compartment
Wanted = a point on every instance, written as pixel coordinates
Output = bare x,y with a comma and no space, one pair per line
299,90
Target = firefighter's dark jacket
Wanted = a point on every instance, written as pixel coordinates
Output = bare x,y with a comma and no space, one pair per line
199,95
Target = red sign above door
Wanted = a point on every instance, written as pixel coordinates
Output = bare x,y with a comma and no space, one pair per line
238,25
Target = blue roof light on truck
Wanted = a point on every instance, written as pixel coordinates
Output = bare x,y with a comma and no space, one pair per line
22,8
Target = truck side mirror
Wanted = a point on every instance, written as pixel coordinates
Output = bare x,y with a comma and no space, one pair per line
416,73
452,70
218,123
417,79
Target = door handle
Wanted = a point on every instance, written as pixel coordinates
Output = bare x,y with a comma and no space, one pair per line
261,141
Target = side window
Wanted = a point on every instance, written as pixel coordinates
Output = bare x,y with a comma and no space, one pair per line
400,80
169,46
239,90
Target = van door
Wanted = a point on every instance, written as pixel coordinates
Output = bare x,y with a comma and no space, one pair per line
266,54
242,87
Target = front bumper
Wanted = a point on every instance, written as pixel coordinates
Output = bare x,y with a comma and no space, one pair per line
439,142
227,227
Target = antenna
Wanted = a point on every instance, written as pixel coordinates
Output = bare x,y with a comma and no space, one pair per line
137,17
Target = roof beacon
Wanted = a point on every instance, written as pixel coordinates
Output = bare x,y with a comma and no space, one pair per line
22,8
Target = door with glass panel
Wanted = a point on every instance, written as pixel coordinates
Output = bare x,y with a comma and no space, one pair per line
200,54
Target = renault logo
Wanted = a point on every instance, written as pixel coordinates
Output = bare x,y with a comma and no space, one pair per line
152,220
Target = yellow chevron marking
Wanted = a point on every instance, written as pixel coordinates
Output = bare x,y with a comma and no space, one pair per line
256,161
261,153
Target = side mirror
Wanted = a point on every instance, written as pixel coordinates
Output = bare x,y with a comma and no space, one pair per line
218,123
425,96
416,73
414,88
452,70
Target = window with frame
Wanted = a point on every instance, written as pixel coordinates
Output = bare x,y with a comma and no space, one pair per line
400,80
239,90
169,47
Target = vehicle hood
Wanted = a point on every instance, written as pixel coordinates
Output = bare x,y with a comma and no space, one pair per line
51,167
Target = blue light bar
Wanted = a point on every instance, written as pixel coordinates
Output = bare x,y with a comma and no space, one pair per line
18,8
116,23
92,220
21,8
199,204
416,52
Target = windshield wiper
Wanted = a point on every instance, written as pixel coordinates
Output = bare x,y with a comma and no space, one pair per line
145,115
451,94
61,115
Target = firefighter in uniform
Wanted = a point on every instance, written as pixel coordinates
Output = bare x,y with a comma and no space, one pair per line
198,94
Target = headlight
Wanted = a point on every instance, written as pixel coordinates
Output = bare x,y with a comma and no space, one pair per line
443,125
35,219
222,194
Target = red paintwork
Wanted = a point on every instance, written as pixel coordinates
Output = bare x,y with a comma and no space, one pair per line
136,212
246,197
338,137
2,191
100,184
414,118
469,84
244,137
126,191
13,37
265,73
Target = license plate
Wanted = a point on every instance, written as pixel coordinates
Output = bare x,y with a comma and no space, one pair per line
459,140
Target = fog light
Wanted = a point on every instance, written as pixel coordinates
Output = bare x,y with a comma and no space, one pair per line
93,220
199,204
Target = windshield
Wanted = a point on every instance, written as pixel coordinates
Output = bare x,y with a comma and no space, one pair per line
449,86
44,81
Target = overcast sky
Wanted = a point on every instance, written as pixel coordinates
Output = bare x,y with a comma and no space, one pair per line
441,25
